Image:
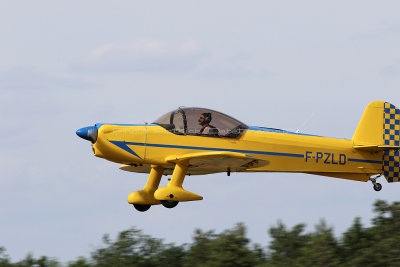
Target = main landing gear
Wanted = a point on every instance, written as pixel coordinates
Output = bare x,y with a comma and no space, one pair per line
166,203
143,199
142,207
169,204
377,186
169,196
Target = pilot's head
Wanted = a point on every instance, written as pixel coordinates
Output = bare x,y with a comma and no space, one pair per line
205,118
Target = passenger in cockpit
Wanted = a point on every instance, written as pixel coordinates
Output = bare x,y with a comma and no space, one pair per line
206,128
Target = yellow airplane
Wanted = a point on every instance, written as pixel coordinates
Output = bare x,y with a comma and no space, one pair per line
195,141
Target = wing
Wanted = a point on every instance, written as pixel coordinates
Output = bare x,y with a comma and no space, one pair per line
207,162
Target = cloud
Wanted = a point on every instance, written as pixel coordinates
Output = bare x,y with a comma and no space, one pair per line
143,56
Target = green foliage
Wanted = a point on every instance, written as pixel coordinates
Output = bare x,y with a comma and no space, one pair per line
354,242
286,245
377,245
170,256
358,246
200,250
131,248
229,248
321,249
4,259
43,261
80,262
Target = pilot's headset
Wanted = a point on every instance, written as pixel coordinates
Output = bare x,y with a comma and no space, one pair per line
207,118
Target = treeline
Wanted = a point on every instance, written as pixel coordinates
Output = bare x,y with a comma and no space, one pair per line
378,245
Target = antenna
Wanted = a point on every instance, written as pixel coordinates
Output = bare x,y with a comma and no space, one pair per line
306,121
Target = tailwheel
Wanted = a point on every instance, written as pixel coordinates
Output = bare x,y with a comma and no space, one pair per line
169,203
142,207
377,187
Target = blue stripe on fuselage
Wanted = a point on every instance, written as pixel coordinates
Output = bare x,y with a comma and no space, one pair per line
366,161
123,145
216,149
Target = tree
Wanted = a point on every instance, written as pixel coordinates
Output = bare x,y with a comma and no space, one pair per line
43,261
376,245
80,262
170,256
200,250
322,249
388,215
229,248
358,246
286,245
354,241
132,248
4,259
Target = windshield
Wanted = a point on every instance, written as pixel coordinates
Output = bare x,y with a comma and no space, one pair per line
202,122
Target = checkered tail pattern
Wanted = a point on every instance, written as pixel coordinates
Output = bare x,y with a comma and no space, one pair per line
391,137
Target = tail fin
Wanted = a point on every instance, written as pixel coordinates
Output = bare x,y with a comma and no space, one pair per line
379,130
379,127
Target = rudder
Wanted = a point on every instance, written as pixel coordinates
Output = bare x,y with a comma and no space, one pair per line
391,137
391,163
391,125
379,130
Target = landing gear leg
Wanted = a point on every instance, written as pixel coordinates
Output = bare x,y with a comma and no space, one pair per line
173,193
143,199
377,186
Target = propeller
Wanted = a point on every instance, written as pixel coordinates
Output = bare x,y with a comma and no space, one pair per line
88,133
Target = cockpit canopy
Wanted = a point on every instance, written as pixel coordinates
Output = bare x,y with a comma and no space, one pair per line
202,122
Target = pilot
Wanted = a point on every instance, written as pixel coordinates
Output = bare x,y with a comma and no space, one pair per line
206,128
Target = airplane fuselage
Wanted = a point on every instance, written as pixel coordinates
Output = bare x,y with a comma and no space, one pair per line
285,151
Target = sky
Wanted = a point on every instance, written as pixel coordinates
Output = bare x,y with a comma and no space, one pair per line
311,66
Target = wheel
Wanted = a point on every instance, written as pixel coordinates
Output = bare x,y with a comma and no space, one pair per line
377,187
169,203
142,207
